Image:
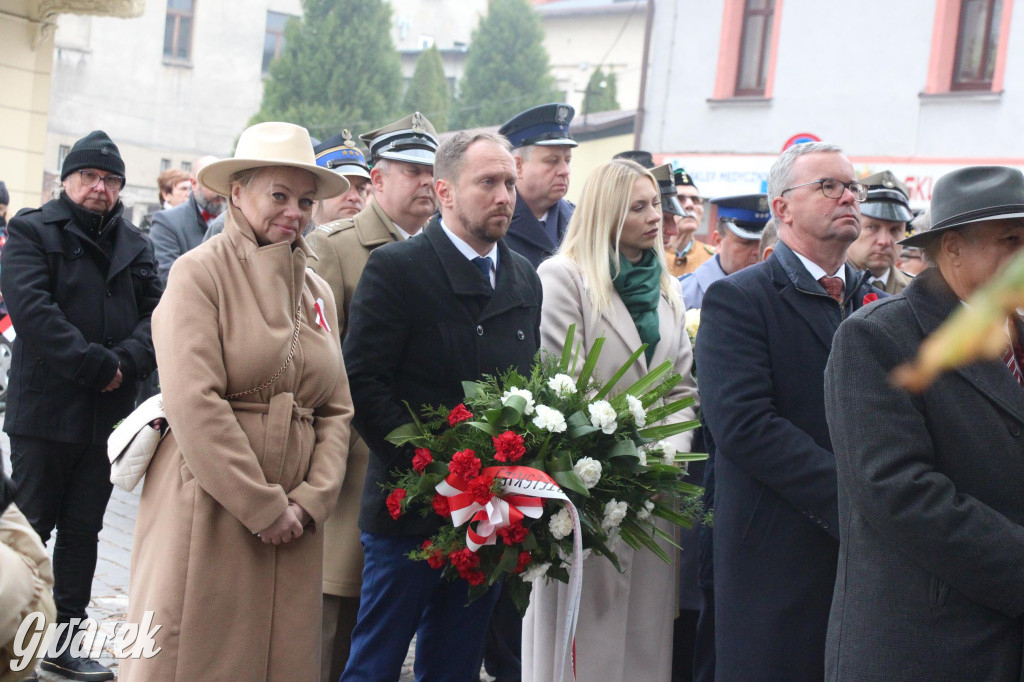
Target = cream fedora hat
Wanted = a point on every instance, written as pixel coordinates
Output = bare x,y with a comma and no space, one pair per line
272,144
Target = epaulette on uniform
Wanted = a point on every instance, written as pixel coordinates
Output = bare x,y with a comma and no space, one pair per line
336,226
707,247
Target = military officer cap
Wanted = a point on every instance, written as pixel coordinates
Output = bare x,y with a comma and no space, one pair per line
412,140
888,198
745,215
682,178
341,155
546,125
669,202
645,159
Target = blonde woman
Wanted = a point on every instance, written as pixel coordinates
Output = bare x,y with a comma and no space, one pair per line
226,555
609,279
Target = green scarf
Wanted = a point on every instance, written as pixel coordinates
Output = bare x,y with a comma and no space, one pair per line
639,287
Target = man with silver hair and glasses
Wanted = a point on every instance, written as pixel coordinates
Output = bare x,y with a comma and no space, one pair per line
776,530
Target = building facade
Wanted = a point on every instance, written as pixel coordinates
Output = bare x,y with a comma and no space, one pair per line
173,84
583,35
917,87
26,61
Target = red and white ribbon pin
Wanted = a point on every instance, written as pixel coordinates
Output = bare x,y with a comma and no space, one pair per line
321,319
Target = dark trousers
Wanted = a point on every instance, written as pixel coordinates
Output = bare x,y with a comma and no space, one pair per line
503,643
401,598
64,486
704,649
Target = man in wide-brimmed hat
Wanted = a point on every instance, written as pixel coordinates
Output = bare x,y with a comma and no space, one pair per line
931,516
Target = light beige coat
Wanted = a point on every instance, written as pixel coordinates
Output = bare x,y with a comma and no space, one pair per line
231,607
26,578
342,249
625,623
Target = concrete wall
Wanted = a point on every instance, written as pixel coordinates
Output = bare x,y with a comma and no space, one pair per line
579,41
25,77
589,155
853,75
110,73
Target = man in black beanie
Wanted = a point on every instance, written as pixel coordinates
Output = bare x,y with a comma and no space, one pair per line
80,284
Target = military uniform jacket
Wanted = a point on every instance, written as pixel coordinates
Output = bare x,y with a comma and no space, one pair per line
78,313
696,283
423,320
342,249
776,512
931,517
898,281
527,237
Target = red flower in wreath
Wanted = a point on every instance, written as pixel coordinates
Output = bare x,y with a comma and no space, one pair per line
473,577
436,559
870,298
421,459
394,502
459,414
508,447
464,559
522,562
440,505
513,534
480,489
465,465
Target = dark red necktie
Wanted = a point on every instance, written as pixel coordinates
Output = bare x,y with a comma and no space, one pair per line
207,216
834,287
1012,358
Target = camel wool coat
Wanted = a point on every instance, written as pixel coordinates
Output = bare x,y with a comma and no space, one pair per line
231,607
624,632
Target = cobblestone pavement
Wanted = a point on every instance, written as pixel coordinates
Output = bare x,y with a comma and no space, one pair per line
109,604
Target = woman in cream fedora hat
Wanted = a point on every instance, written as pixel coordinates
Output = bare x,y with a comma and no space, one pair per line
226,555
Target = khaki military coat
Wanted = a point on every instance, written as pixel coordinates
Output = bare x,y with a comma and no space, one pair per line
698,254
342,249
230,606
624,632
898,281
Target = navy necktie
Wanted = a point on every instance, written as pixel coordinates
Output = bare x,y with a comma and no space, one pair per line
483,263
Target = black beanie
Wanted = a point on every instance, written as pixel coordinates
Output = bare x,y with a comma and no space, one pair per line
5,198
95,150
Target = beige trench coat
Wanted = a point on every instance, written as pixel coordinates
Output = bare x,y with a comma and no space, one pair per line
342,249
625,623
231,607
26,578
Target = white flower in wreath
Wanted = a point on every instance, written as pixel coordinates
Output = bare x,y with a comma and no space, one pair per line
535,572
636,408
641,454
602,416
550,419
566,557
614,513
645,513
589,471
522,393
560,524
562,385
668,452
692,322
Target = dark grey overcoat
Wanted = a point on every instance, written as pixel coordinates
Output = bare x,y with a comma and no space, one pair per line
930,583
